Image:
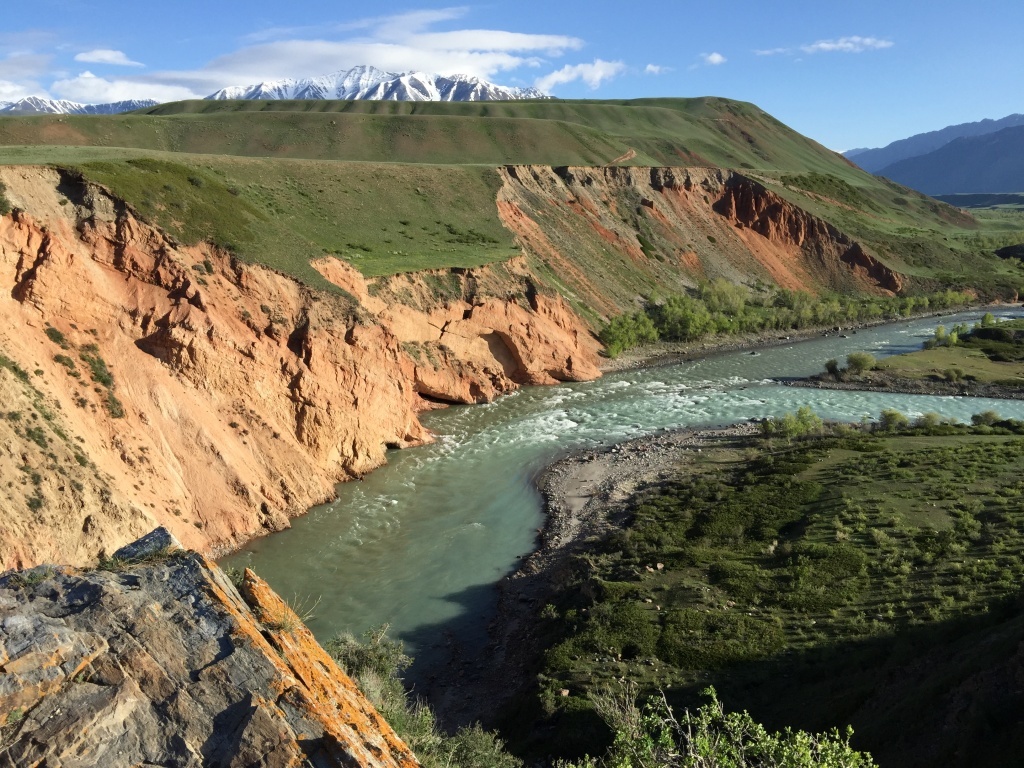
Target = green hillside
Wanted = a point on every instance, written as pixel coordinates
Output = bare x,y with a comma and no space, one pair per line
710,131
397,186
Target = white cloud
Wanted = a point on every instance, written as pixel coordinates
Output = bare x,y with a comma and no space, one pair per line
656,69
90,89
17,66
854,44
591,74
773,51
713,59
20,73
107,56
14,91
397,43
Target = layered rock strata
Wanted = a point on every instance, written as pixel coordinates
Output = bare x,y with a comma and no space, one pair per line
160,660
613,233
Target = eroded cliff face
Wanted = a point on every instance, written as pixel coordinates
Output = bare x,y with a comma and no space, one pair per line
613,233
161,661
474,334
239,397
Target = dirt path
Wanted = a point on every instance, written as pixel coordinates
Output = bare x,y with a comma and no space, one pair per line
622,158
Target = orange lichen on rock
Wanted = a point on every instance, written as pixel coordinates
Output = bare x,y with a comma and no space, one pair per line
326,692
162,662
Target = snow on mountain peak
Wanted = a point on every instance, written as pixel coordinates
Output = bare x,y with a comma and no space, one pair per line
366,82
36,105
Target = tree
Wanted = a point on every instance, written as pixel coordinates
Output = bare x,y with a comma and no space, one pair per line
832,368
985,418
892,420
858,362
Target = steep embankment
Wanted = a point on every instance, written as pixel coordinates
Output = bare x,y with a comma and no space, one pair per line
610,234
178,386
159,660
154,383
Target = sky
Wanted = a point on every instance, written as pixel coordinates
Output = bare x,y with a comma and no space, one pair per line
860,73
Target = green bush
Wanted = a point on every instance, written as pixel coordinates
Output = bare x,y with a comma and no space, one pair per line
803,422
90,355
653,736
56,337
376,664
892,420
5,204
986,418
722,307
627,331
859,362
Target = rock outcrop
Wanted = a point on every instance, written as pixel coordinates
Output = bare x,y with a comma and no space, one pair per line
159,660
614,233
176,385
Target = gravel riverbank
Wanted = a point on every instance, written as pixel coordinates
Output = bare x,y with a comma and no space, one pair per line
885,383
585,494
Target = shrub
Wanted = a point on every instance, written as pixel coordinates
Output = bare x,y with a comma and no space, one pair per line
97,366
377,665
832,368
56,337
627,331
710,737
985,418
928,420
803,422
5,204
858,362
892,420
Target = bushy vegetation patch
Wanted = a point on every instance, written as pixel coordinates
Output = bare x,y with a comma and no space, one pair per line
725,308
761,555
376,664
652,735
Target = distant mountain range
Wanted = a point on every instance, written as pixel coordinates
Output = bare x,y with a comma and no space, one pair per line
993,162
357,83
35,105
874,160
986,156
376,84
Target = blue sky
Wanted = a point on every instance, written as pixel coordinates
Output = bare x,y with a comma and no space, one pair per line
859,73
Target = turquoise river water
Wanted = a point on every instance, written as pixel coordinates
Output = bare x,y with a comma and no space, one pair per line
420,543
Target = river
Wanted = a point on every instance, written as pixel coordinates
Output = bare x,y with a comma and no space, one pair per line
420,543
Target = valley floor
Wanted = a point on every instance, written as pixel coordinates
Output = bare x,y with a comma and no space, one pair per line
585,495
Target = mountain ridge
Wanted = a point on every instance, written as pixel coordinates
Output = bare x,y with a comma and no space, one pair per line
37,105
875,159
369,83
993,162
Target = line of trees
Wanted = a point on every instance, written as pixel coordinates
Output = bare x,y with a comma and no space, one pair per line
725,308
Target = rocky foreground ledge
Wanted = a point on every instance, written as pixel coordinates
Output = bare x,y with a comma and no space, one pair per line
157,659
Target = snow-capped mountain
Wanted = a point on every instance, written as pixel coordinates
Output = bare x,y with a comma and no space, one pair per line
372,83
35,105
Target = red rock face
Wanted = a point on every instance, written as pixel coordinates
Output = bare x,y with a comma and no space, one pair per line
246,396
613,234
